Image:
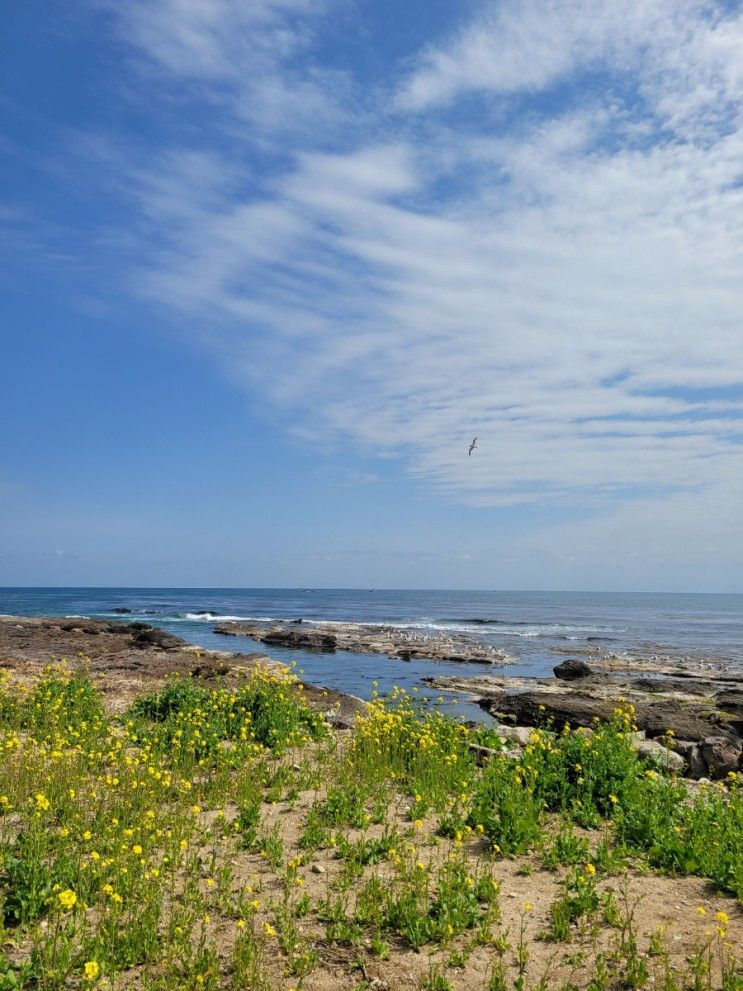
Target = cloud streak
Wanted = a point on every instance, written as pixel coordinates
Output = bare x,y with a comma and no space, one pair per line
563,282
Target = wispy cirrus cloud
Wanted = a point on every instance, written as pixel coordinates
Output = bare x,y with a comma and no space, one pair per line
243,57
558,273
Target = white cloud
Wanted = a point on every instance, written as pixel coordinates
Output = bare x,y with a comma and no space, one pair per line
683,54
241,55
554,288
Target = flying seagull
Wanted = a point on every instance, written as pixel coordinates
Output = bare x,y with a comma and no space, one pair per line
473,445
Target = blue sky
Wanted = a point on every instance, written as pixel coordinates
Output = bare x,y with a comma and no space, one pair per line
269,266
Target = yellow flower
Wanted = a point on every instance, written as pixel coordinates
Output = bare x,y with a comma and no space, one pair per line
268,929
701,911
92,970
722,918
42,802
67,898
590,869
527,906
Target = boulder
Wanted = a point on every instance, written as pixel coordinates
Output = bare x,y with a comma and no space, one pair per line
572,670
691,752
516,734
656,753
721,755
483,754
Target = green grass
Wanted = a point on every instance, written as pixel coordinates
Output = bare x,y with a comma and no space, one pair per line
151,851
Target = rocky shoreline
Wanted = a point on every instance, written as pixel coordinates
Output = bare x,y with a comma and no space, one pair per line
359,638
128,659
689,717
692,723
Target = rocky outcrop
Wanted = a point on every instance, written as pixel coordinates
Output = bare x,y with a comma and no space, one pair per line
309,640
358,638
151,636
656,718
572,670
731,701
706,729
127,658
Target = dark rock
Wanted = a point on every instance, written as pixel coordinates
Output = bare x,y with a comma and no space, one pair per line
121,609
731,701
696,763
655,686
82,626
572,670
688,721
483,754
722,756
153,637
210,668
312,640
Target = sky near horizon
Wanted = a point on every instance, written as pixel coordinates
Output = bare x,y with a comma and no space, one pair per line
268,266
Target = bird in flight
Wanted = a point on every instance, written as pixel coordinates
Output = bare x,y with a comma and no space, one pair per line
473,445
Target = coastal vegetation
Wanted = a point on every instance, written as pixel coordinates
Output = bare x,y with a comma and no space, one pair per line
221,835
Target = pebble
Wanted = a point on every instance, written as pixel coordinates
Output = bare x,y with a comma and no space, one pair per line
317,869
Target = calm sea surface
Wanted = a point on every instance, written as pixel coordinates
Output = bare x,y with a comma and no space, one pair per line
530,626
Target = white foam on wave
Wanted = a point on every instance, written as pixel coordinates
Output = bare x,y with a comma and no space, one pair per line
423,624
210,617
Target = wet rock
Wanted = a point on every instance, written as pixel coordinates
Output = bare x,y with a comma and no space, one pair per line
572,670
722,756
310,640
398,642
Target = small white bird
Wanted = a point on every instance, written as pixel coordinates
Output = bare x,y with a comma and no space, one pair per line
473,445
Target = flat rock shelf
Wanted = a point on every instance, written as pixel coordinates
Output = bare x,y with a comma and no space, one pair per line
392,641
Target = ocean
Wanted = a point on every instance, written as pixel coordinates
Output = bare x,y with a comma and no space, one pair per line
534,628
